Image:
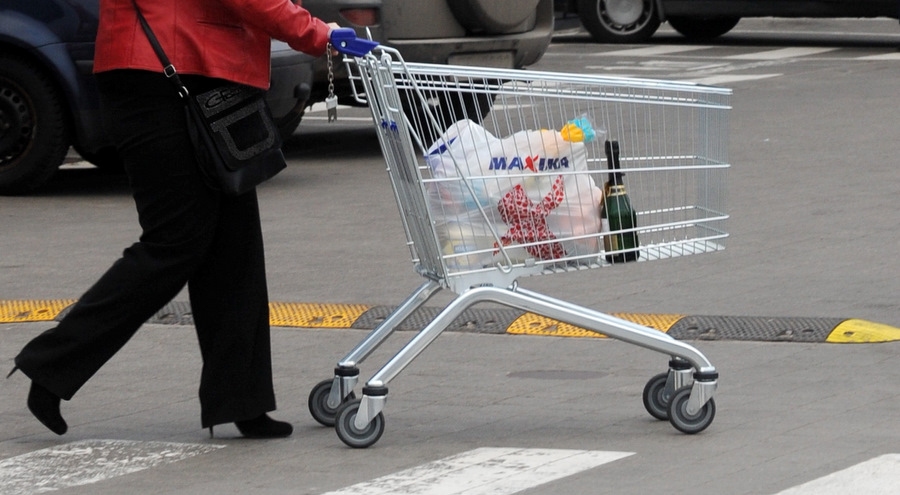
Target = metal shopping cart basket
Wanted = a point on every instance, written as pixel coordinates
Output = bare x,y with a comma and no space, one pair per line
496,177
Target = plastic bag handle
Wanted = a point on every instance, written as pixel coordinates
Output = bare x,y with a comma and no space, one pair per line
344,40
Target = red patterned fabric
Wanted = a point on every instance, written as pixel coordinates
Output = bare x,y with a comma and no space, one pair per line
527,220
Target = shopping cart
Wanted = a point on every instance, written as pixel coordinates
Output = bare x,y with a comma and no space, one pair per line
672,140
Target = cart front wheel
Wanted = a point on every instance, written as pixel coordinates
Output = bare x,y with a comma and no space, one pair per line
318,403
656,400
690,423
347,431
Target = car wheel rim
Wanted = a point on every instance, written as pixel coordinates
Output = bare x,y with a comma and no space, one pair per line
624,15
16,124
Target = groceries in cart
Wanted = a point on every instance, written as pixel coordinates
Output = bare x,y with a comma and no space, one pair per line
527,194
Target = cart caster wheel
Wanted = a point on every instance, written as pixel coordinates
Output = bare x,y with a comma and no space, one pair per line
318,403
656,400
349,434
690,423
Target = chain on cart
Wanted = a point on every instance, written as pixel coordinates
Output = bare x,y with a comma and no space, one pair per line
500,174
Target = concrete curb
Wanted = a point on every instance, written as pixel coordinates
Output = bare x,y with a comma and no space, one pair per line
514,322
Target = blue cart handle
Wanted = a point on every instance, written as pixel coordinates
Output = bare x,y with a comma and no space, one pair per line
344,40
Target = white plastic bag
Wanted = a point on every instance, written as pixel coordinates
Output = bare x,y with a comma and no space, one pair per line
527,187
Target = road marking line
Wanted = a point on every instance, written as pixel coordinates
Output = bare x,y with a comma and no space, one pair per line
651,51
728,79
485,471
878,476
88,461
658,66
781,53
883,56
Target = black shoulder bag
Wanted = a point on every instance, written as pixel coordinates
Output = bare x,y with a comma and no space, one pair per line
231,128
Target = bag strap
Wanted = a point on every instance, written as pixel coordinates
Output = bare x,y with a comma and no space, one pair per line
168,68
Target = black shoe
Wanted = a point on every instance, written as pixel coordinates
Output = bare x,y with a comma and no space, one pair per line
264,427
45,407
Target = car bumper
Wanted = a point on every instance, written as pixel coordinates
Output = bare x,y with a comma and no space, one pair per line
291,81
506,52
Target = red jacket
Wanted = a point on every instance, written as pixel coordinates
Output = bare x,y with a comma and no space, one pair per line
227,39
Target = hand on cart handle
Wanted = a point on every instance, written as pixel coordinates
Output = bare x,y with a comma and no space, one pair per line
345,41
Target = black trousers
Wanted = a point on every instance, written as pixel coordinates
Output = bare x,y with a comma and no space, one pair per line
190,235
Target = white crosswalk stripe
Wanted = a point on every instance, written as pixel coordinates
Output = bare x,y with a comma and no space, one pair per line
878,476
88,461
485,471
482,471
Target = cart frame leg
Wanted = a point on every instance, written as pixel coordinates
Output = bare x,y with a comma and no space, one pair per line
371,405
346,374
526,300
680,375
687,366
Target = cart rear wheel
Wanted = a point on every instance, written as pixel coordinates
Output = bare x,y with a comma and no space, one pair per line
656,400
349,434
690,423
318,403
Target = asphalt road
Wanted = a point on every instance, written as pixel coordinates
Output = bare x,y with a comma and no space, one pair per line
812,196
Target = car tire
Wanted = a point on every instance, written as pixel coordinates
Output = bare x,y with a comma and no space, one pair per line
619,21
703,28
34,132
491,16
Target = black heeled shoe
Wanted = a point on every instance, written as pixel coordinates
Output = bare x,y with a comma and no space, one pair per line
44,405
263,427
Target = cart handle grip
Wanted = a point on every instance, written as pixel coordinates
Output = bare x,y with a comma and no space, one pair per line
344,40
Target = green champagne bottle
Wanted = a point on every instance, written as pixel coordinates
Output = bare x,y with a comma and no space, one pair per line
617,214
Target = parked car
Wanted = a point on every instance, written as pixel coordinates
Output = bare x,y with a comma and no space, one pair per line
635,21
49,101
508,34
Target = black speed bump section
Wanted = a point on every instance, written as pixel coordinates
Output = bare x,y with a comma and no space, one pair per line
754,328
511,321
747,328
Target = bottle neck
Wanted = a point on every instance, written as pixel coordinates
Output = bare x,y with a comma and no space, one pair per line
615,190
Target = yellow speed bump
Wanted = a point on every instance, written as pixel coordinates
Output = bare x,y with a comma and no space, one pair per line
532,324
36,310
862,332
315,315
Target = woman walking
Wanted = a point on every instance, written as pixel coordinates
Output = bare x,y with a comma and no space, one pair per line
191,235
